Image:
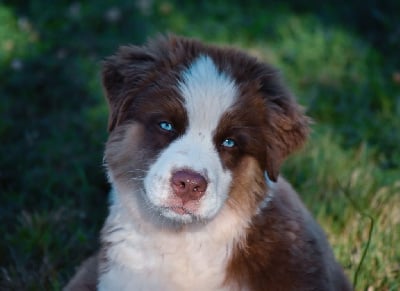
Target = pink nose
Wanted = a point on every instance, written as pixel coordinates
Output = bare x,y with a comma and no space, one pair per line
188,185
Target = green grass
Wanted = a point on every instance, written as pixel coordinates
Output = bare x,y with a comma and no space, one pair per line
339,58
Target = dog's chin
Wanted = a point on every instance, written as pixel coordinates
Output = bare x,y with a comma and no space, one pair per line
180,215
174,214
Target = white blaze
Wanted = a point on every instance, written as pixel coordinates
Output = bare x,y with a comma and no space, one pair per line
207,94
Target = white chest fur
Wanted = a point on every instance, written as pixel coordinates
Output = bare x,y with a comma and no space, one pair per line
140,258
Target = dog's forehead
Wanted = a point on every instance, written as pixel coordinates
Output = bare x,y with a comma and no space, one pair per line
207,92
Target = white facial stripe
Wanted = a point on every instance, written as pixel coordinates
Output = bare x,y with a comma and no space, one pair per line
207,92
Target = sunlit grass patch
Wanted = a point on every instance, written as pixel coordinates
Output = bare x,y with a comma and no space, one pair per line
344,188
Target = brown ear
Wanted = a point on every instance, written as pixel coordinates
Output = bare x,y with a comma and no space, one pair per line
288,127
127,67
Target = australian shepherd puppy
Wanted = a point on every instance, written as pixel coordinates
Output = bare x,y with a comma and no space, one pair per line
197,137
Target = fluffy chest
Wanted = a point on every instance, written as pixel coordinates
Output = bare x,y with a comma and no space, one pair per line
140,260
155,267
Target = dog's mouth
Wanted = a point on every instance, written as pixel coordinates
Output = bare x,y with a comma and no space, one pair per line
180,214
180,210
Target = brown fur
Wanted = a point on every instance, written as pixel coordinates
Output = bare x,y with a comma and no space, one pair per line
135,72
284,248
248,189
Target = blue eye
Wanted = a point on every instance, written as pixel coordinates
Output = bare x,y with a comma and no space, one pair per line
166,126
229,143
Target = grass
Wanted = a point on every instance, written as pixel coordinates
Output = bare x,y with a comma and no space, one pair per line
340,60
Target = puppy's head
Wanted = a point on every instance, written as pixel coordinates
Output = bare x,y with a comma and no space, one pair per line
193,128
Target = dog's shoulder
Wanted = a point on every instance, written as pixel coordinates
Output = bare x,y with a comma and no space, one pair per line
286,249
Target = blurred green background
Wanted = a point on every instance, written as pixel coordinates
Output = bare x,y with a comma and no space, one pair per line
341,58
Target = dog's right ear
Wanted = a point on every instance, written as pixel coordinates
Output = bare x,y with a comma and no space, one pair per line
121,75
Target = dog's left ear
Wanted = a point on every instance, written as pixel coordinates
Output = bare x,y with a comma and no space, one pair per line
288,126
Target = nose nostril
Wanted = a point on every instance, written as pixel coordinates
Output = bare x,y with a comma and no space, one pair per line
188,185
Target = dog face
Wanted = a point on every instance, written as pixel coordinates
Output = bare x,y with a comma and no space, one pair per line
193,128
